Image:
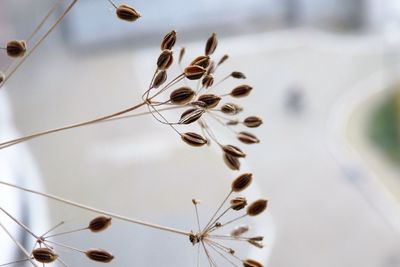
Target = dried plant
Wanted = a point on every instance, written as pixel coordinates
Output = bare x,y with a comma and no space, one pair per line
192,90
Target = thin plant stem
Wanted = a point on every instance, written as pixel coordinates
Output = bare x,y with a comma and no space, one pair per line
14,262
222,255
113,215
216,212
18,245
19,223
65,246
231,221
67,232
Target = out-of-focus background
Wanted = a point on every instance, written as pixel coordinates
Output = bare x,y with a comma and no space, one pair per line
325,82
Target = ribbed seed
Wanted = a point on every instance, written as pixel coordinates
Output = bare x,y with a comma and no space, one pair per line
191,115
231,109
44,255
234,151
238,203
169,40
99,224
207,81
251,263
182,96
232,162
194,139
253,121
211,44
248,138
238,75
165,59
210,100
99,255
194,72
16,48
257,207
160,78
127,13
241,90
242,182
202,61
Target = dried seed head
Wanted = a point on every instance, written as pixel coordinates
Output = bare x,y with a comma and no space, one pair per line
238,75
99,255
232,122
232,162
234,151
2,77
231,109
253,121
160,78
193,139
257,207
223,59
169,40
241,90
127,13
191,115
211,44
207,81
44,255
194,72
181,54
202,61
99,224
210,100
256,244
238,203
182,96
242,182
16,48
240,230
251,263
165,59
248,138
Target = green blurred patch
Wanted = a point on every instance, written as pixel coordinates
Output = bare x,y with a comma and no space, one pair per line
384,127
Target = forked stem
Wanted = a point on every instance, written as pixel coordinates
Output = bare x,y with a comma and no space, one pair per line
113,215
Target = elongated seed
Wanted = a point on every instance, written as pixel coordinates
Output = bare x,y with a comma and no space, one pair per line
211,44
257,207
251,263
99,255
232,162
99,224
207,81
182,95
160,78
240,230
44,255
16,48
253,121
238,75
234,151
194,72
238,203
248,138
165,59
191,115
242,182
194,139
210,100
169,40
241,90
202,61
127,13
231,109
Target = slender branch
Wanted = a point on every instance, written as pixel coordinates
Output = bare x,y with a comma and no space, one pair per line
113,215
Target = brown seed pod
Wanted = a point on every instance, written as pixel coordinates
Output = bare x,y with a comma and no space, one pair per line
232,162
160,78
181,54
210,100
240,230
234,151
238,75
99,255
232,122
242,182
16,48
241,90
165,59
127,13
257,238
182,96
191,115
238,203
193,139
2,77
99,224
248,138
169,40
257,207
231,109
223,59
253,121
44,255
211,44
207,81
251,263
202,61
194,72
